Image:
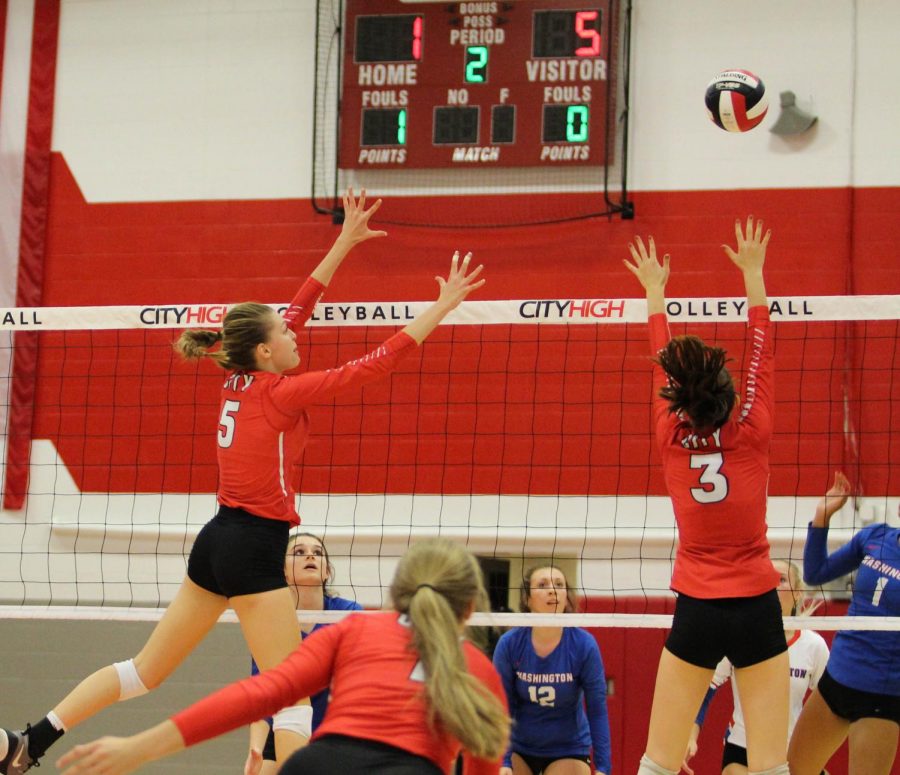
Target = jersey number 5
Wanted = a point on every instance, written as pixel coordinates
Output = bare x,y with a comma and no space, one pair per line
714,482
227,423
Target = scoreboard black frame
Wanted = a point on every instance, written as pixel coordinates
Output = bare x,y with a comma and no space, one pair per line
490,84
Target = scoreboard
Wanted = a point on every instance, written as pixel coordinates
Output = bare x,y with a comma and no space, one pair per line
524,83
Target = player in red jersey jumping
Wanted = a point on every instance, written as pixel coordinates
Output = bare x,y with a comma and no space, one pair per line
715,454
238,557
407,692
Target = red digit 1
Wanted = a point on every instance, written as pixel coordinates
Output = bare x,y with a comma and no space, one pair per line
417,38
590,34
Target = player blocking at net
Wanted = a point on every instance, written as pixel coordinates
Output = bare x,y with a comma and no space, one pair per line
237,559
715,454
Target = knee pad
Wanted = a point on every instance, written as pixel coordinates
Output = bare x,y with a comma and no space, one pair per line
650,767
781,769
130,683
297,719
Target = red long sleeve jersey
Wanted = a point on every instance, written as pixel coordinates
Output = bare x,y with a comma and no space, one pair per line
368,661
263,423
718,482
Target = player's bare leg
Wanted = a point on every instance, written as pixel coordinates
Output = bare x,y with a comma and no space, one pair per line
680,687
765,699
817,735
568,767
187,620
873,746
269,624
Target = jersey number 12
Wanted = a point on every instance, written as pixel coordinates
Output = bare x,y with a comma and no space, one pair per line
542,695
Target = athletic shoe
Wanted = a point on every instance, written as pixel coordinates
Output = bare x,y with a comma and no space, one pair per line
17,760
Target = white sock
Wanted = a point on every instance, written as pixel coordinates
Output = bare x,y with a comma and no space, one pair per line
4,745
781,769
650,767
56,722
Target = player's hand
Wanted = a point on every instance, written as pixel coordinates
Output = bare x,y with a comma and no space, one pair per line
644,265
460,282
691,750
833,500
356,218
688,755
506,771
254,762
750,255
108,755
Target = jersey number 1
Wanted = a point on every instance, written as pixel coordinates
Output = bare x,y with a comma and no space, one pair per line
227,423
715,483
879,588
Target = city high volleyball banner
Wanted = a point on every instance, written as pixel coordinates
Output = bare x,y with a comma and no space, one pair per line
508,311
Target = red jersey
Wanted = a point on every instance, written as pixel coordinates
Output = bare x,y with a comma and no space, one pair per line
263,423
369,663
718,481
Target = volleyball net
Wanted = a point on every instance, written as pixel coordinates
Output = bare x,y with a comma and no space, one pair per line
521,428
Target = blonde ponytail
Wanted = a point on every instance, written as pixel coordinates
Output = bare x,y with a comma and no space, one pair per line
195,344
436,584
244,327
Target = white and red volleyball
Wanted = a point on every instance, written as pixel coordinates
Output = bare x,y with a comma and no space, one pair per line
736,100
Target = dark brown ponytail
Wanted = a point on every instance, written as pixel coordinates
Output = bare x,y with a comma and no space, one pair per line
699,384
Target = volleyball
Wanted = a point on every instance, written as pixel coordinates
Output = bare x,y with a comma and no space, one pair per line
736,100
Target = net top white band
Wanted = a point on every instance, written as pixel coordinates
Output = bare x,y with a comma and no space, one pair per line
508,311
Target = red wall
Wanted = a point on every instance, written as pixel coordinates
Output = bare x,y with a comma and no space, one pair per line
555,411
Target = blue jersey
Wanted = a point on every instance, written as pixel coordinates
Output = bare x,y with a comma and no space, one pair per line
866,660
548,695
319,701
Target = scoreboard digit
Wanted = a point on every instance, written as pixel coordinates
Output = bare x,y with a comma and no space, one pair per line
486,84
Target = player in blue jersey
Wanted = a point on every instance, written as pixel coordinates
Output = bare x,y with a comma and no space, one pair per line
858,696
308,571
555,686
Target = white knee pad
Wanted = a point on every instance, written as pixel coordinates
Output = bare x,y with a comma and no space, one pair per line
781,769
130,683
297,719
650,767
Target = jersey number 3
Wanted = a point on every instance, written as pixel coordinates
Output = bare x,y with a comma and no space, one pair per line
227,423
714,483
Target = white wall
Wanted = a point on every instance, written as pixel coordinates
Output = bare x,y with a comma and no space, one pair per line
186,99
876,157
805,46
199,99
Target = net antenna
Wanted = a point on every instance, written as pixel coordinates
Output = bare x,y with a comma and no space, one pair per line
425,100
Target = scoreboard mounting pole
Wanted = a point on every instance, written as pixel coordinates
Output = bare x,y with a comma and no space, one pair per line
525,83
